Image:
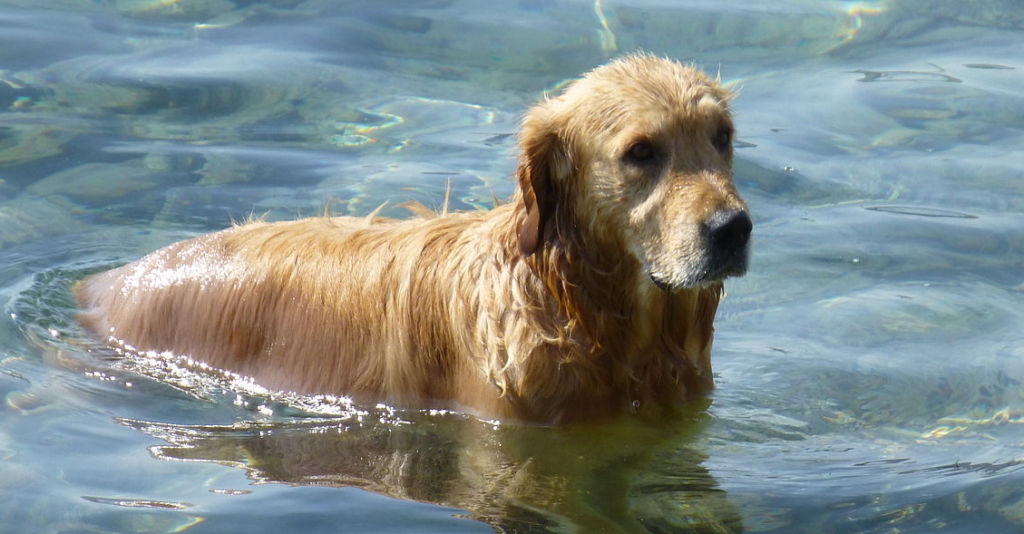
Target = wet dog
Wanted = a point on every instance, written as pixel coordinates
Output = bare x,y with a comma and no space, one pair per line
592,292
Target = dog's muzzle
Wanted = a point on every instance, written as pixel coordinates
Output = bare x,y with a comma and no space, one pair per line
725,238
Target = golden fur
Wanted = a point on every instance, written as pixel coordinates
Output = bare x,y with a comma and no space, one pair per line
592,292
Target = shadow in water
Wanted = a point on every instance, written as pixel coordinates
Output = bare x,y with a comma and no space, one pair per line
613,476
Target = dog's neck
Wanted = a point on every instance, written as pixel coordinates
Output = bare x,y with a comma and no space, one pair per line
609,331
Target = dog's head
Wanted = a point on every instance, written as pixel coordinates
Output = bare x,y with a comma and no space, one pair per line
637,155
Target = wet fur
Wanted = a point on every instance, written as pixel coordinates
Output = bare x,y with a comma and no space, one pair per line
542,309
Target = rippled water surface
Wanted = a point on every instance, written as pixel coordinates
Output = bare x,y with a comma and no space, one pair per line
870,368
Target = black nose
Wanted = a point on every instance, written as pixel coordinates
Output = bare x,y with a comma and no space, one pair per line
729,230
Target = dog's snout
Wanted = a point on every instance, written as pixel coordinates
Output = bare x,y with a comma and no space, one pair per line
729,230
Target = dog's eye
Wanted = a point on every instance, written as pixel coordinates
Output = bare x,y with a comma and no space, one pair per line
641,153
723,140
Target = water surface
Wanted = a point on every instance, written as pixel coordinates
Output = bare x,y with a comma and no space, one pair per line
869,367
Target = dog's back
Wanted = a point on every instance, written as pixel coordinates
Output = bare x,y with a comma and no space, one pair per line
320,305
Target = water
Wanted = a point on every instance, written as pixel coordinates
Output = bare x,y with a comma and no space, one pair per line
869,367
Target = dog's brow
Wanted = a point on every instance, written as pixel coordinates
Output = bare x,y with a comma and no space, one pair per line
709,104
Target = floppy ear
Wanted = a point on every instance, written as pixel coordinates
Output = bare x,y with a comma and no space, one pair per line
536,165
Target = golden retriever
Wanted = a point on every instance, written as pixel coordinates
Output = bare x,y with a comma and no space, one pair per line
592,292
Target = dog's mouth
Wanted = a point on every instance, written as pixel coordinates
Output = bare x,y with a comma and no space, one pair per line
659,283
714,270
699,280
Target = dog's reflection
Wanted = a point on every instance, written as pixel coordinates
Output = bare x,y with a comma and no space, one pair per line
621,476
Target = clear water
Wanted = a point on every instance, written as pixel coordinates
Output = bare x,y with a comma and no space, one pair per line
870,368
